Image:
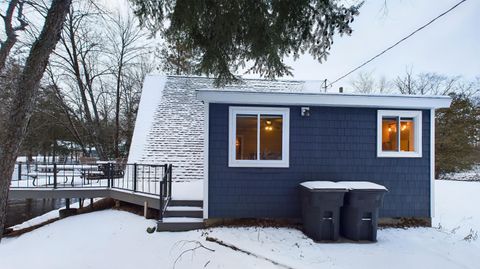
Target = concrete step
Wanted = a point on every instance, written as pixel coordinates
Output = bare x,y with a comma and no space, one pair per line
184,211
198,203
178,224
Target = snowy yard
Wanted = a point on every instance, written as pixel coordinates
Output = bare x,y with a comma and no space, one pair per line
114,239
468,175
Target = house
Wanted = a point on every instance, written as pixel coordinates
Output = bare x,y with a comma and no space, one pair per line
246,147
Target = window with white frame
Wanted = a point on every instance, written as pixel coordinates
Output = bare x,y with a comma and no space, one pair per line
258,137
399,133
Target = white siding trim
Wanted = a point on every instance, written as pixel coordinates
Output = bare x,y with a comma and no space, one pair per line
324,99
285,112
205,159
417,116
432,163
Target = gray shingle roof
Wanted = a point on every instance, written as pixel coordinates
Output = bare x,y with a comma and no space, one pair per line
175,132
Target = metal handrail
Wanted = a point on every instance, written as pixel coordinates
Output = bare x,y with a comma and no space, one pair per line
138,178
165,190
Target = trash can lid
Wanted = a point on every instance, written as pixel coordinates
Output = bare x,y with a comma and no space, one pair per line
362,185
323,185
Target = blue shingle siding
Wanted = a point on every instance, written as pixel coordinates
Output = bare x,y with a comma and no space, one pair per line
332,144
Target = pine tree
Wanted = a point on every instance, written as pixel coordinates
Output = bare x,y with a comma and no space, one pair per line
227,35
457,133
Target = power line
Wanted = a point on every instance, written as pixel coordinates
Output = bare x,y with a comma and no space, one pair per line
400,41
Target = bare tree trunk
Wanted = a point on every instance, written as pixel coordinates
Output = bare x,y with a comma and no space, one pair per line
24,99
117,105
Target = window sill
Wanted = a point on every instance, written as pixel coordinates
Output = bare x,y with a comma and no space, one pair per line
399,155
259,164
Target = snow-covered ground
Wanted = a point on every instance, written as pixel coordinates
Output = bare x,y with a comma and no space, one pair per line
49,216
114,239
469,175
192,190
457,207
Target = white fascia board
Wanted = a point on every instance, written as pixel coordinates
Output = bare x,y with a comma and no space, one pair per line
432,163
324,99
205,159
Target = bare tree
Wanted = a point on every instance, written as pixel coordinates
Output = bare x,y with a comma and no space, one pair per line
434,84
67,107
98,62
11,30
24,97
425,83
80,59
365,82
406,84
468,88
383,85
127,45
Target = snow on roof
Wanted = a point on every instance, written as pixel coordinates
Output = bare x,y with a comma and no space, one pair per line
149,102
170,121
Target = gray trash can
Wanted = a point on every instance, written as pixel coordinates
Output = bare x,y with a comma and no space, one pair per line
321,202
359,213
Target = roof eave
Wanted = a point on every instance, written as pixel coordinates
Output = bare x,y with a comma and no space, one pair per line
315,99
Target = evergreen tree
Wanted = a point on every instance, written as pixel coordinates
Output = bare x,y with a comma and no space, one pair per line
227,35
457,133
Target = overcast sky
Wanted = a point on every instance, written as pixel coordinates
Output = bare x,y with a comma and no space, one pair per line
450,46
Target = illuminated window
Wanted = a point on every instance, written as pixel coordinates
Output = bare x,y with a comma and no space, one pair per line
399,133
258,137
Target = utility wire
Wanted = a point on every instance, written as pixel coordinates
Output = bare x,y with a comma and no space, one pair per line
400,41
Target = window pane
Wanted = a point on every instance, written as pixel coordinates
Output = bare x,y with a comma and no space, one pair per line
246,138
407,142
389,134
271,137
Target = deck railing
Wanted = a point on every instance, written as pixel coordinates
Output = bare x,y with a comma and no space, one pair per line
141,178
138,178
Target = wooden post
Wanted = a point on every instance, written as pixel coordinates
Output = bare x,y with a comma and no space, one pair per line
20,171
135,177
54,176
145,209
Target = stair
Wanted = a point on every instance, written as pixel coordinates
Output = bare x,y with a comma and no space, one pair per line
184,211
182,215
186,203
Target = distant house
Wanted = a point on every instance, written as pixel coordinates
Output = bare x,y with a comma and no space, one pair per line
253,143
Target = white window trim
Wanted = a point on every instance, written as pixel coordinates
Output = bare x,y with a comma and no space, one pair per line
417,118
232,130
